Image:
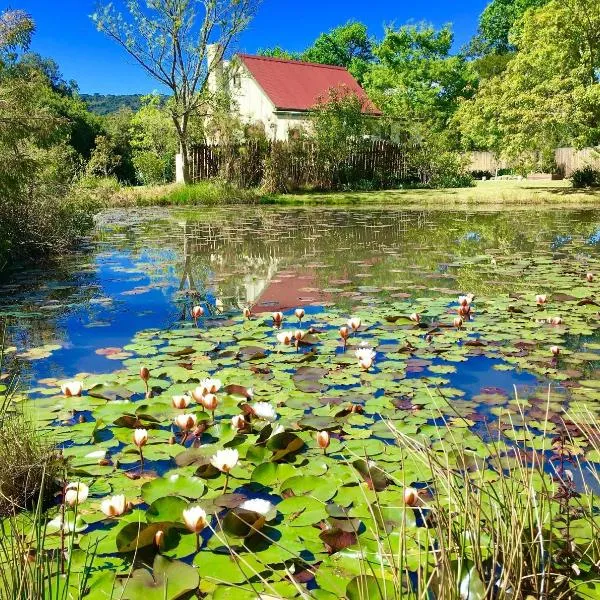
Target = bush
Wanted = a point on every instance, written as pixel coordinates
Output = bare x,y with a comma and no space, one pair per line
31,466
586,177
478,174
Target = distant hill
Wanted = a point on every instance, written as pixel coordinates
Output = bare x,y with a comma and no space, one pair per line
104,104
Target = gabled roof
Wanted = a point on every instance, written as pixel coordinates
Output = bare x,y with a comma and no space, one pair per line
298,86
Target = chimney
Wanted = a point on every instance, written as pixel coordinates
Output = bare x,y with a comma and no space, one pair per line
214,59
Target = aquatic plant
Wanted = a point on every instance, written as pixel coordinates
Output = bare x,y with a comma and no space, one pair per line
362,483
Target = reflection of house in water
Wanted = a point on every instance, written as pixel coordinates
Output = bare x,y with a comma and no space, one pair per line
237,280
261,258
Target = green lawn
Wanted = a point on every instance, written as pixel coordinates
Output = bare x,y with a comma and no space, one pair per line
484,193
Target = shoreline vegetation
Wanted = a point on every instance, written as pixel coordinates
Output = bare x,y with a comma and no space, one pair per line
484,193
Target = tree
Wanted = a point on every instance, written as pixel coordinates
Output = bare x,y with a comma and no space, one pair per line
37,165
339,125
170,40
496,24
346,46
279,52
153,141
549,94
16,30
416,79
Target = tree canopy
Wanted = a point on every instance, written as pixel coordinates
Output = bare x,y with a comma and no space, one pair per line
549,95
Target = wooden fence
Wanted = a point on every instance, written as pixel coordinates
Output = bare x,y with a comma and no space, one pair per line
298,164
567,160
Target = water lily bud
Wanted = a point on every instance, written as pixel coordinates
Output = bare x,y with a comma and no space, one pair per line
590,277
285,338
194,518
555,350
71,388
464,310
277,318
182,401
140,437
114,506
197,312
458,322
238,422
186,421
323,439
159,539
299,312
299,335
411,496
541,299
354,323
210,402
225,460
344,333
247,313
415,317
81,419
556,321
76,493
145,374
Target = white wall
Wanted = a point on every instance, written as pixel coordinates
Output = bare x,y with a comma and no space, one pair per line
254,106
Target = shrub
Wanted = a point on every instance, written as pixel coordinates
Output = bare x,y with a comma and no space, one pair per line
586,177
30,464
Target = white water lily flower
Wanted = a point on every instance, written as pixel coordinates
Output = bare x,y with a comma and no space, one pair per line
285,337
194,518
99,454
262,507
114,506
210,386
71,388
70,524
299,312
264,411
365,352
182,401
76,493
186,421
354,323
466,300
277,430
225,460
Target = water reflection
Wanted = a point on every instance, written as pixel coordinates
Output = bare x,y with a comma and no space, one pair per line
146,268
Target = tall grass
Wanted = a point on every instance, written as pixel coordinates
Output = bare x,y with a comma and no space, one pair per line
32,567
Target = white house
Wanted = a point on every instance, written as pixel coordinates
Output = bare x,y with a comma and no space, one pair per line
279,93
276,93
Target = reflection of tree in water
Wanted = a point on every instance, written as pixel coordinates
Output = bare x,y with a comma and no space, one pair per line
234,253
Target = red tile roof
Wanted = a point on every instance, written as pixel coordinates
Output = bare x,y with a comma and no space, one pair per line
298,86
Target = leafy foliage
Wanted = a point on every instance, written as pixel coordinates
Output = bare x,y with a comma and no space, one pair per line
549,95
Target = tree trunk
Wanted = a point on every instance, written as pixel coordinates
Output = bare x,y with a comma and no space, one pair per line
181,129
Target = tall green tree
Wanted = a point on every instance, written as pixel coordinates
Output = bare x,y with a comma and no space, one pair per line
416,78
549,95
496,24
169,39
37,165
347,46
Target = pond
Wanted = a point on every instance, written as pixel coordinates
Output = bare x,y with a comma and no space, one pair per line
516,362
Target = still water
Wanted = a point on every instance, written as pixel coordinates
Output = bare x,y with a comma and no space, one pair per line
145,268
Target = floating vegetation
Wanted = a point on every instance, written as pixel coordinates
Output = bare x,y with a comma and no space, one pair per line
312,451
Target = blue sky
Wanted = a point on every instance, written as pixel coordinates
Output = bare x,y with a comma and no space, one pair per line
66,33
